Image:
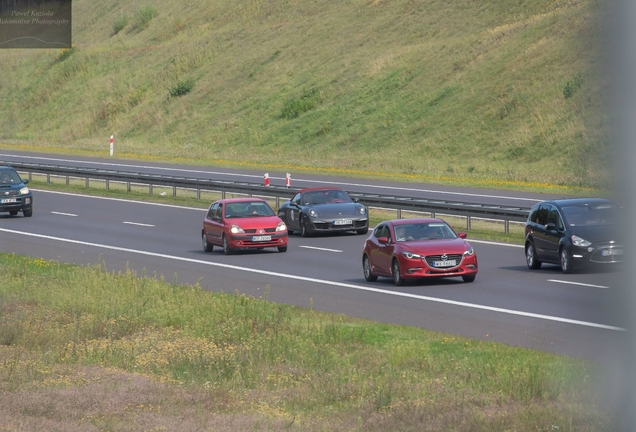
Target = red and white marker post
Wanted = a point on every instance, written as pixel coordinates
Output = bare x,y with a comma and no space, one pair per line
112,144
266,179
288,180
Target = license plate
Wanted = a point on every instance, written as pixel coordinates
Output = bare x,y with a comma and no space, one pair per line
261,238
447,263
8,200
610,252
342,222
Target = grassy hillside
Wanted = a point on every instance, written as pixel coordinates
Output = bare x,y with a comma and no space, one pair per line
498,92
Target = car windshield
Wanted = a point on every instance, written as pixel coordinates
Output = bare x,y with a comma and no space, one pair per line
328,196
248,209
9,177
423,231
592,214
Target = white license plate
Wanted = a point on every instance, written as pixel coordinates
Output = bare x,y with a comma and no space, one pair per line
610,252
447,263
261,238
342,222
8,200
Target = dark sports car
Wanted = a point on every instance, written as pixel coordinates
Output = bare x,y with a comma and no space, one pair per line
324,209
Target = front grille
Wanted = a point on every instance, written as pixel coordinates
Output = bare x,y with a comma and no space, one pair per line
11,193
253,231
360,224
430,258
598,256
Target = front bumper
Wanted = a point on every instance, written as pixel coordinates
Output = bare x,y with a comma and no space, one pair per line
420,268
318,225
245,241
597,254
24,202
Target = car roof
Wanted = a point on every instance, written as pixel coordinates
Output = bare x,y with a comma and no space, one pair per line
409,221
7,167
235,200
577,201
319,189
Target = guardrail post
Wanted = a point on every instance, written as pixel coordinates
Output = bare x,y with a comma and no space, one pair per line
30,178
150,189
223,194
127,186
277,202
198,193
399,213
48,179
507,226
174,191
67,180
86,182
433,215
468,225
107,184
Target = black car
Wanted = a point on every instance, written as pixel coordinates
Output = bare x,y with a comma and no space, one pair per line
14,195
573,233
321,210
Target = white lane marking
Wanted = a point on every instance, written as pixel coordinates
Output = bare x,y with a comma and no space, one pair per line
276,178
319,248
64,214
119,199
326,282
138,224
495,243
577,283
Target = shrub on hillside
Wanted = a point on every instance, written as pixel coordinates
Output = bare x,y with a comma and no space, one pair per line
296,106
66,53
120,22
143,16
181,88
572,86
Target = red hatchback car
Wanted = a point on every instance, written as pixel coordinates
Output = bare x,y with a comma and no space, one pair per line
415,249
242,223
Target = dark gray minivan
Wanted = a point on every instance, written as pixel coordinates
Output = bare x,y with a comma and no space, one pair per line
15,196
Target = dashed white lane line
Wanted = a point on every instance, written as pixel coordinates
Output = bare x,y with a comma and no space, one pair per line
64,214
138,224
321,249
577,283
327,282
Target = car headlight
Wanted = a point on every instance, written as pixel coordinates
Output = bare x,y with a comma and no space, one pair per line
578,241
24,191
235,229
469,252
281,226
313,213
362,210
411,255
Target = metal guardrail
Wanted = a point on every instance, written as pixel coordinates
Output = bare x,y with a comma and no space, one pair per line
455,208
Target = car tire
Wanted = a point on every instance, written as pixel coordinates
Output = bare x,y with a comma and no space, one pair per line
531,257
207,246
468,278
363,231
303,228
366,268
13,212
395,270
566,261
28,212
282,248
227,250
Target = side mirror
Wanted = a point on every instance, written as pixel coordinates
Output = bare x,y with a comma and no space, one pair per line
25,181
383,240
551,227
356,199
462,235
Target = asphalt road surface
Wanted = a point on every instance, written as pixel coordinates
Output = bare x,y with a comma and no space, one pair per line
576,315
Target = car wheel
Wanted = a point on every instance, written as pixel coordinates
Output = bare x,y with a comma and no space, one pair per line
397,277
366,267
207,246
226,247
28,213
282,248
468,278
531,257
363,231
303,228
13,212
566,262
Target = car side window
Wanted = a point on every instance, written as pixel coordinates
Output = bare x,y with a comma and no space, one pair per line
532,217
219,212
296,199
542,214
555,218
212,210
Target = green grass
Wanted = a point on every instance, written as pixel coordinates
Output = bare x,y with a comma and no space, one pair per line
483,94
200,358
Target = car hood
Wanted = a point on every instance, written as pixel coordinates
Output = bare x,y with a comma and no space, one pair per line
336,210
597,233
255,222
435,247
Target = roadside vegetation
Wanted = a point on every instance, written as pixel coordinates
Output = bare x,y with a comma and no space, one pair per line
82,348
487,94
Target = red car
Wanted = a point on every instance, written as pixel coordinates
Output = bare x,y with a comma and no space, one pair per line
417,248
243,223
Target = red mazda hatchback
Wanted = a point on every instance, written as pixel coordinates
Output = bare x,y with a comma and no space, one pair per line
415,249
242,223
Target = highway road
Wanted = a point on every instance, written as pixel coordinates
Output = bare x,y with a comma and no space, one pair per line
576,315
